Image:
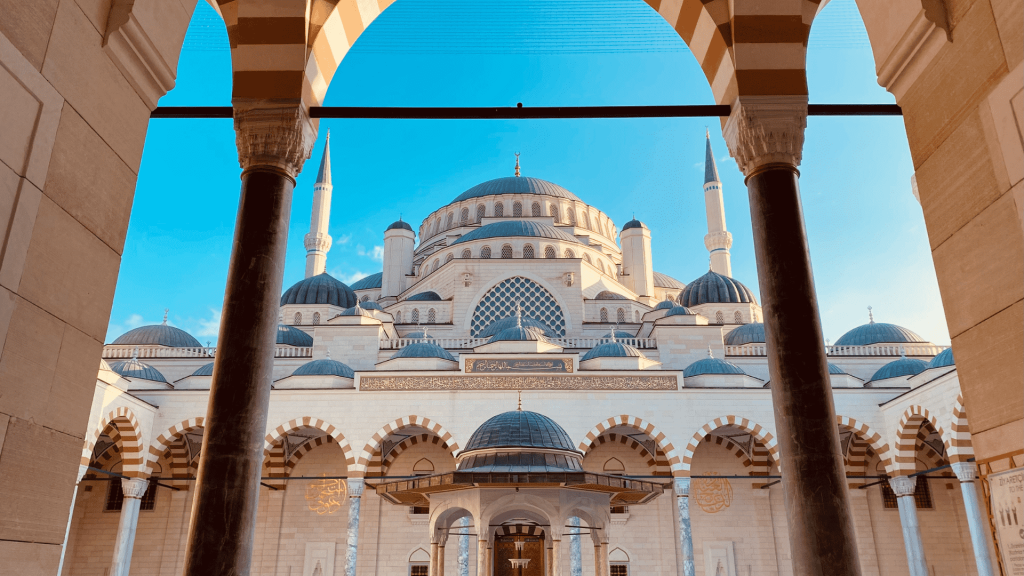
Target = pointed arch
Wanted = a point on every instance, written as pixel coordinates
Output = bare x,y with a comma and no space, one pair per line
273,438
130,436
659,437
656,460
359,468
959,448
304,449
906,438
164,441
379,464
856,458
756,430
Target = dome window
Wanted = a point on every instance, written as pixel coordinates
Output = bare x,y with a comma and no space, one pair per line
449,258
415,315
481,211
506,251
620,316
604,314
464,217
737,317
466,253
499,210
485,252
586,258
571,214
517,209
586,220
535,209
451,220
719,317
398,317
437,227
549,252
554,212
431,316
636,316
569,253
437,264
298,318
316,318
528,251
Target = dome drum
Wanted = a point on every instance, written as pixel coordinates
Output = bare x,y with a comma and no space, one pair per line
714,372
324,373
423,355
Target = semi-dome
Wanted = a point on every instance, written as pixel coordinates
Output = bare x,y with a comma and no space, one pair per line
666,281
716,288
370,305
520,429
356,311
619,334
516,185
424,350
158,335
428,296
519,333
609,295
292,336
320,289
399,225
878,333
943,359
614,349
634,223
833,369
325,367
665,305
370,282
135,368
752,333
900,367
711,365
510,322
204,370
680,311
517,228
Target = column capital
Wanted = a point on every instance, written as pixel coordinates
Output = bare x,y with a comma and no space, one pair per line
903,485
355,487
134,487
681,486
269,134
965,471
766,130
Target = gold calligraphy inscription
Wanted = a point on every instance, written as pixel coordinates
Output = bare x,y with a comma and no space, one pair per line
325,496
521,382
712,494
492,365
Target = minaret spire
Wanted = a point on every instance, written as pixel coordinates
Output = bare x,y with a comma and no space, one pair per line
517,164
318,241
718,240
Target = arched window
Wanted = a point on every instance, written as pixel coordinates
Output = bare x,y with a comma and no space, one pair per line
415,315
586,220
586,258
528,251
737,317
549,252
600,266
365,298
636,316
604,314
719,317
506,251
316,318
501,300
466,253
449,258
485,252
517,209
464,217
451,218
535,209
569,254
571,214
554,212
398,317
431,316
499,210
298,318
620,316
481,211
618,563
437,264
437,226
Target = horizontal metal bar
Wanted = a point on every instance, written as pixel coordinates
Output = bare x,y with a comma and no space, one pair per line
520,112
119,476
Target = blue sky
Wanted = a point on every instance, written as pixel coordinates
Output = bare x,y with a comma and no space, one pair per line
867,235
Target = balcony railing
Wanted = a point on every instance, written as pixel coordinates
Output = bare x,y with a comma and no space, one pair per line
468,343
125,352
870,350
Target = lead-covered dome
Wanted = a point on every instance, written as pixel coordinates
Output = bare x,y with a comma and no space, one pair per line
510,322
516,185
204,370
680,311
424,350
519,333
665,305
320,289
517,228
717,289
878,333
400,225
291,336
711,366
943,359
135,368
428,296
634,223
666,281
158,335
325,367
613,349
752,333
901,367
370,282
520,429
609,295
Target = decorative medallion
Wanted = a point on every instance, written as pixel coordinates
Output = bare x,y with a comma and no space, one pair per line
506,365
712,494
325,496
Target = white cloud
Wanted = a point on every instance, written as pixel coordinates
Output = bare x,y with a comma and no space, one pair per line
211,325
375,253
349,278
342,240
132,321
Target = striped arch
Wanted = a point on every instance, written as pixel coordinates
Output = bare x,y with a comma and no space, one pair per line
756,430
379,467
304,449
130,435
164,441
103,459
362,464
674,463
658,461
907,440
959,447
872,438
274,437
177,455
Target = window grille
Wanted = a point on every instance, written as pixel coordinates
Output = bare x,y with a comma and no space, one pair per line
115,496
500,302
586,220
437,226
506,251
415,315
604,314
719,317
636,316
737,317
365,298
499,210
569,253
464,217
437,264
922,494
619,570
485,252
481,211
451,218
571,214
449,258
431,316
549,251
517,209
398,317
419,570
316,318
298,318
419,510
466,253
620,509
586,258
554,212
620,316
528,251
535,209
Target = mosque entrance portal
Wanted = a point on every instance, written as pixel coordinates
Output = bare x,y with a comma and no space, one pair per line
519,555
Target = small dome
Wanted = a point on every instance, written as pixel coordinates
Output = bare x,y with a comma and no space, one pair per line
423,335
510,322
424,350
619,334
136,369
878,333
292,336
666,281
516,185
400,225
634,223
609,295
752,333
612,350
320,289
356,311
158,335
716,288
665,305
519,334
368,305
370,282
324,367
204,370
517,228
520,429
711,366
901,367
833,369
428,296
680,311
943,359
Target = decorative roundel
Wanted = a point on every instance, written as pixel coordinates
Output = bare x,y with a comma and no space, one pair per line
500,302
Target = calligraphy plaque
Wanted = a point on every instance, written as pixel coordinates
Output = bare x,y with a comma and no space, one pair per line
325,496
518,382
514,365
712,494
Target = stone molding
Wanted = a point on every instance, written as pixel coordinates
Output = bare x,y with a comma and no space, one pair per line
718,240
903,485
965,471
273,136
134,487
766,130
356,487
133,52
624,382
919,44
318,242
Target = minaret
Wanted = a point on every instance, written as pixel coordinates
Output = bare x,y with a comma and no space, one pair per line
318,242
718,239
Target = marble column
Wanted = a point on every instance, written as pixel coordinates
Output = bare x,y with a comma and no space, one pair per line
575,554
903,487
134,489
355,499
273,140
482,567
464,547
605,566
549,560
432,569
765,135
556,558
440,559
71,513
682,489
967,473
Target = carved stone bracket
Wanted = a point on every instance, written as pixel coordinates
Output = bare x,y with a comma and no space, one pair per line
281,136
903,485
134,487
766,130
318,242
718,240
965,471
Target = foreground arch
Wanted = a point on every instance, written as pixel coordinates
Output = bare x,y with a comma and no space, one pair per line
754,429
130,437
639,424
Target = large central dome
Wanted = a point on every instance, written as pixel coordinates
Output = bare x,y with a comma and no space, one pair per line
517,228
516,185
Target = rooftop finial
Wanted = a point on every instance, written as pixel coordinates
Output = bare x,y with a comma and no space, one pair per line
425,328
710,353
614,330
135,354
903,352
166,310
519,315
871,317
328,352
520,407
517,164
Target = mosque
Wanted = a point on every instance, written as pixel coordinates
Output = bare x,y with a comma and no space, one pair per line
519,392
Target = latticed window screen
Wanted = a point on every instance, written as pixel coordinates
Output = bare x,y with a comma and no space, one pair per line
586,221
636,315
619,569
528,251
554,212
316,318
620,316
569,253
586,258
604,314
398,317
571,214
419,570
466,253
922,494
500,302
517,209
719,317
737,317
499,210
464,217
481,211
451,218
431,316
437,264
506,251
298,318
415,315
549,251
449,258
485,252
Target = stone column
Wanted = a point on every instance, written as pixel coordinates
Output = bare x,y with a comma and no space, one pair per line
967,473
605,566
903,487
134,489
272,145
556,558
432,569
575,553
464,547
682,489
765,135
549,560
482,556
355,499
71,513
440,559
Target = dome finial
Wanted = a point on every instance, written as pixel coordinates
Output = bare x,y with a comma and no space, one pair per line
328,352
166,310
614,330
135,354
710,353
871,316
520,407
425,328
519,315
517,164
